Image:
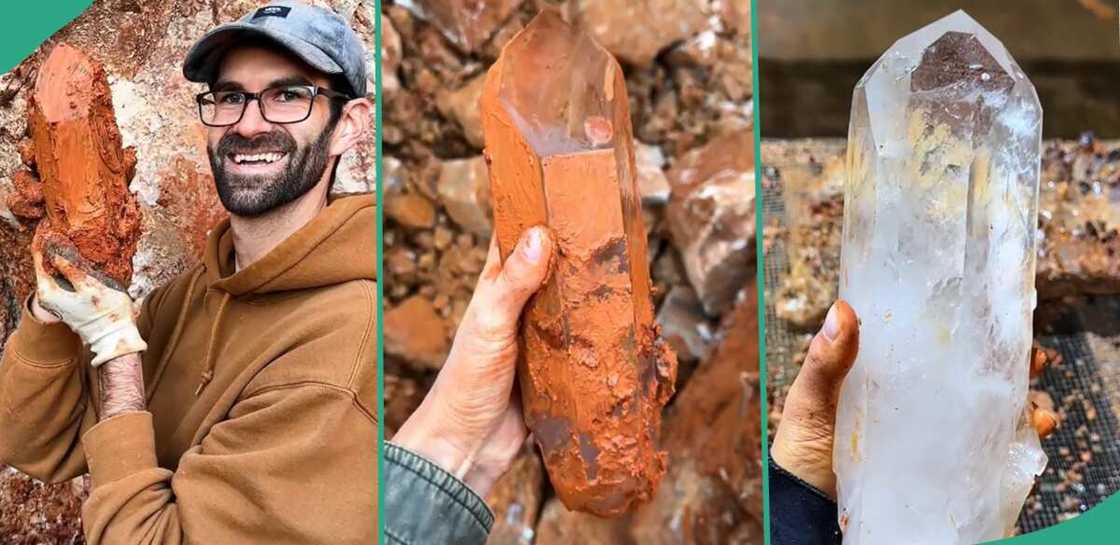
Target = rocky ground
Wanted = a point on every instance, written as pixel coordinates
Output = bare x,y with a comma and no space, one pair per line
688,72
141,44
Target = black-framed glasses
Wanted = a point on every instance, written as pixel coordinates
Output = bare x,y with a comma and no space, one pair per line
283,104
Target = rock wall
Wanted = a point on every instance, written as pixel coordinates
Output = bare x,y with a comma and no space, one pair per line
141,44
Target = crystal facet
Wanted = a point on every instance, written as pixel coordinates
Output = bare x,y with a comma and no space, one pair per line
594,371
938,260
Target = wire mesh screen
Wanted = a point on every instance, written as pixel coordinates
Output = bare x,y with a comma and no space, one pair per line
781,343
1084,451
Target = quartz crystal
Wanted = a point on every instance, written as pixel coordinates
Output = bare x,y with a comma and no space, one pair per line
594,370
938,260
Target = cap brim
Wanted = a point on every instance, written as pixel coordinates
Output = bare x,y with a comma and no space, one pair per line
203,59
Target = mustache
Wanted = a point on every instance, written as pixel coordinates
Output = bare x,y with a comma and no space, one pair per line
276,140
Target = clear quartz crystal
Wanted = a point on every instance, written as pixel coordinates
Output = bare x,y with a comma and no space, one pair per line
938,260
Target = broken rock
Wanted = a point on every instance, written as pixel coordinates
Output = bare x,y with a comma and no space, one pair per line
636,31
711,217
559,526
713,492
413,331
466,23
652,183
462,106
411,210
464,192
594,371
684,325
515,500
390,55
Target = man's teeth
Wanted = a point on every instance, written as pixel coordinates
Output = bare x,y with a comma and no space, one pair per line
257,158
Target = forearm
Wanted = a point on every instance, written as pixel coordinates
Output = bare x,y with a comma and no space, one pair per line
428,433
121,386
43,400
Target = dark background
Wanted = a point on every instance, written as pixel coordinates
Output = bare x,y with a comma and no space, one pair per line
812,53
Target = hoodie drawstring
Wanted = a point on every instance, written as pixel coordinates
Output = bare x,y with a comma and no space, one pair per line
208,372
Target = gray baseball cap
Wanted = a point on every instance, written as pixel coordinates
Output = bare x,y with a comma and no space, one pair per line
319,36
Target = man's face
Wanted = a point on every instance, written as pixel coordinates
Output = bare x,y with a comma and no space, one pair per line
259,165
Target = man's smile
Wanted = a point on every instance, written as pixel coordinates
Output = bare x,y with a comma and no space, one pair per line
248,164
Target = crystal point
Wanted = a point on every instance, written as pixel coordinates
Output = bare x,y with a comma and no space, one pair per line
593,369
938,260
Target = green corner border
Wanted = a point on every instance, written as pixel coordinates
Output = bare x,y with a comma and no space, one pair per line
28,24
380,280
1097,525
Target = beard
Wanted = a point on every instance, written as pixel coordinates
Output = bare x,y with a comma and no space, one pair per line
255,195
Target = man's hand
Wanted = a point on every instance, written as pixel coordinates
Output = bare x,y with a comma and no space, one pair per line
100,315
803,442
470,423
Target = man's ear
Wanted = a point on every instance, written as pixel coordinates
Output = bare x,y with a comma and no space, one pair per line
353,125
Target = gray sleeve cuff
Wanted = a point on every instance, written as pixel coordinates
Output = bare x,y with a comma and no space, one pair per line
425,505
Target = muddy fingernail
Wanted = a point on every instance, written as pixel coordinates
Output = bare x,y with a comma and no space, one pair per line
831,327
533,245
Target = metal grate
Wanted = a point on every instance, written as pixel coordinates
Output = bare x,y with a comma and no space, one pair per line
1084,452
781,343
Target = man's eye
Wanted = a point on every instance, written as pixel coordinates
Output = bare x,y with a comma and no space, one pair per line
290,95
229,98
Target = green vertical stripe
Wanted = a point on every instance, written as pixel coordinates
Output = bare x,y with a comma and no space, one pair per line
759,249
380,285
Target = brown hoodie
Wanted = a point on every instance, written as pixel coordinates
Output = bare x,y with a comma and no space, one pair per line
261,387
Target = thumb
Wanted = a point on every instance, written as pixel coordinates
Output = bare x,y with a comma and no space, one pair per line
830,357
524,270
503,289
490,323
804,440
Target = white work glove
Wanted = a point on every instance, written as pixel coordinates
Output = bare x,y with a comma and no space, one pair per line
100,315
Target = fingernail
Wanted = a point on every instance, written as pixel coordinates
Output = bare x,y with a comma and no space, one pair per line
831,324
533,246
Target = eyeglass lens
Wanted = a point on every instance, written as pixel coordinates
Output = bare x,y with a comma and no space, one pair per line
278,105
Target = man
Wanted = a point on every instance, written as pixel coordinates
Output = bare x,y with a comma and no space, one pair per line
239,406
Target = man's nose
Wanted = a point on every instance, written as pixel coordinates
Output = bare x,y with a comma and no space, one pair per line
252,122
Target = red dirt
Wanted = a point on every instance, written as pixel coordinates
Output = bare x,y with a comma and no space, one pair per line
83,167
26,202
594,371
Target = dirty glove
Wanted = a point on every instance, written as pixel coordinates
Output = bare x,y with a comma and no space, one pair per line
101,315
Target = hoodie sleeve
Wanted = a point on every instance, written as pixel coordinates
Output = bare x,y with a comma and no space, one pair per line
43,402
44,395
280,470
